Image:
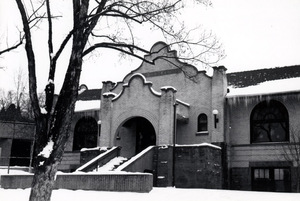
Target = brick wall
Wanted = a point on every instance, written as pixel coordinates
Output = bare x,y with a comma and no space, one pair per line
138,182
195,167
198,167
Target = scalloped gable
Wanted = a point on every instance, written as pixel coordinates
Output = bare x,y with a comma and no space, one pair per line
160,49
165,62
144,82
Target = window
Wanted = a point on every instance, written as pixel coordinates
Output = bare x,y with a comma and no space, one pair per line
202,123
277,179
269,122
261,174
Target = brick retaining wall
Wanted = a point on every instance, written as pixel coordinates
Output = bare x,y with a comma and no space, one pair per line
139,182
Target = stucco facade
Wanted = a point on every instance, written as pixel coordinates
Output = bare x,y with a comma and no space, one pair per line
246,155
166,102
155,92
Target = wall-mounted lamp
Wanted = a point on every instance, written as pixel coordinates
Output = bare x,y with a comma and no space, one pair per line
215,113
118,136
99,127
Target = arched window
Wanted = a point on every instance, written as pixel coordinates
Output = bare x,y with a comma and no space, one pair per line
202,122
85,133
269,122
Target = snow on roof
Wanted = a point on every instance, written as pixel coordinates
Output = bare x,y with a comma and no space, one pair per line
90,94
268,87
199,145
182,102
87,105
168,87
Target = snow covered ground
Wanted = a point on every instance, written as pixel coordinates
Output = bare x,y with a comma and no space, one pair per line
157,194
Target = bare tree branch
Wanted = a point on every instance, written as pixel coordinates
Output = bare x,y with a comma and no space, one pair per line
50,43
12,48
31,61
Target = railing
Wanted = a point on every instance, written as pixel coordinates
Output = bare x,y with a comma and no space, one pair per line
100,160
14,162
142,162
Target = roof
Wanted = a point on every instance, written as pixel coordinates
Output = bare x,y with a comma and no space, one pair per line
90,94
264,81
254,77
245,83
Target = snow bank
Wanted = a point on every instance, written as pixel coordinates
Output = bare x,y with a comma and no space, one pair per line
157,194
13,171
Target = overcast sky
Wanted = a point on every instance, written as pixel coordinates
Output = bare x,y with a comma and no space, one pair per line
255,34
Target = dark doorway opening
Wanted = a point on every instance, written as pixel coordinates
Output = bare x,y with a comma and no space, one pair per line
20,153
85,133
136,131
145,134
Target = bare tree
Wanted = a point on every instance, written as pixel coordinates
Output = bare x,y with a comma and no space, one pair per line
291,153
19,96
91,31
20,82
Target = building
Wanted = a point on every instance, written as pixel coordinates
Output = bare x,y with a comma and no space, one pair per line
250,115
209,130
262,120
16,138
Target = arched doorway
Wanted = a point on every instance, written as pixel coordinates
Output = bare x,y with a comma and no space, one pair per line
134,135
85,133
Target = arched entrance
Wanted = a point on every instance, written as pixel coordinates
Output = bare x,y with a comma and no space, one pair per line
134,135
85,133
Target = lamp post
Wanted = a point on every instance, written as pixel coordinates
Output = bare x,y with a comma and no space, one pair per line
174,144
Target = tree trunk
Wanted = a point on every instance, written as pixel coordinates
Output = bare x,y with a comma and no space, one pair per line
44,178
61,118
45,172
43,183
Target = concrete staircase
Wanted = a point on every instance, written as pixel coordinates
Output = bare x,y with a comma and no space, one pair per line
100,160
70,162
112,165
